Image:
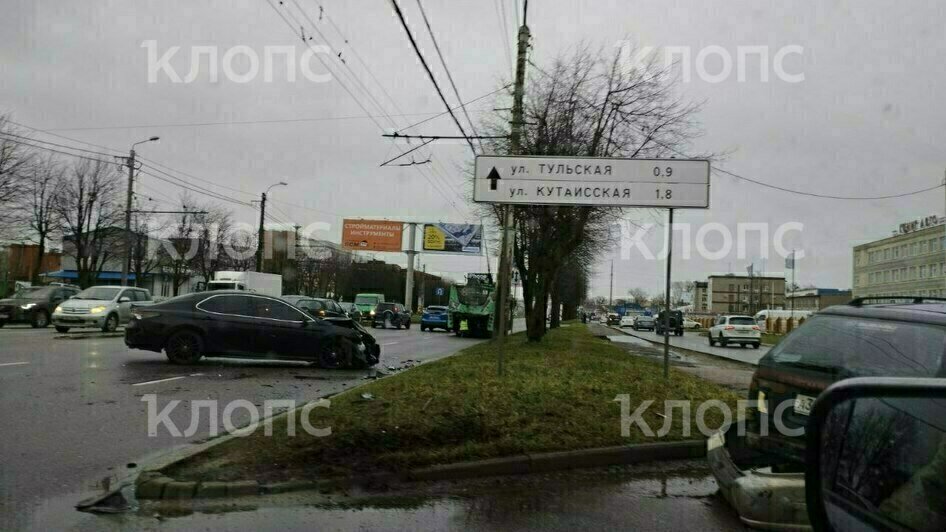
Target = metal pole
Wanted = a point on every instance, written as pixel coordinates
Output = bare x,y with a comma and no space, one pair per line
259,244
792,313
611,290
128,199
515,138
667,298
409,285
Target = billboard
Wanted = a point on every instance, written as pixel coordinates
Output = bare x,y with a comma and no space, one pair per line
453,238
372,235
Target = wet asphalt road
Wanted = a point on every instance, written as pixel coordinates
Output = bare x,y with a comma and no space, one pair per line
72,410
693,341
659,496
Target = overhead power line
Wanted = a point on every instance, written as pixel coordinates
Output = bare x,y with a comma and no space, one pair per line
410,36
443,62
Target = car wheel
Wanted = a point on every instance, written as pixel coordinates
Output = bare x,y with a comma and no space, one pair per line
40,319
62,330
2,323
111,323
711,341
184,347
722,340
407,325
421,328
755,345
332,355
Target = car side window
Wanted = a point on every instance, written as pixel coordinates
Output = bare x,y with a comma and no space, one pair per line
274,310
233,305
138,295
126,293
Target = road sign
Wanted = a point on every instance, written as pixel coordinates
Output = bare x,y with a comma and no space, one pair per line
438,291
592,181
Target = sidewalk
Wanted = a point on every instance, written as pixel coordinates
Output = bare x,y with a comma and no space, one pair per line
729,373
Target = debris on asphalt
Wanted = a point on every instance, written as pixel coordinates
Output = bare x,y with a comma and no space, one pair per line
367,396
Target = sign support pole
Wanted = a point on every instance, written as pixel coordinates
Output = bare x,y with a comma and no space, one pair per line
667,299
409,285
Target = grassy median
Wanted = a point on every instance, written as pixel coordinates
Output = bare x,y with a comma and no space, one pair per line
556,395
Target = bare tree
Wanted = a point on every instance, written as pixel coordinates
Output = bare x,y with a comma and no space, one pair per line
214,228
176,255
37,215
638,296
88,206
585,106
145,251
15,159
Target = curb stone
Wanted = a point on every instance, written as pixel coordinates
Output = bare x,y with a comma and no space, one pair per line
157,486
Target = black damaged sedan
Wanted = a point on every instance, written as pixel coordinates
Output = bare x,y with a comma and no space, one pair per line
246,325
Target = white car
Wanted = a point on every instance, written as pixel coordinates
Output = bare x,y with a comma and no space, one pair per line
104,307
740,330
626,321
690,324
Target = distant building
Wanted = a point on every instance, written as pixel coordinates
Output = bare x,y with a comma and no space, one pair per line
912,262
731,293
815,299
22,261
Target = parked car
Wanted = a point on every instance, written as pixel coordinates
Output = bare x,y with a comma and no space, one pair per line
675,324
434,317
105,307
626,321
247,325
390,313
34,305
841,342
351,310
690,324
643,322
318,307
740,330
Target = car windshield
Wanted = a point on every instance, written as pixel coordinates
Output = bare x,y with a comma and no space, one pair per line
99,293
866,347
366,300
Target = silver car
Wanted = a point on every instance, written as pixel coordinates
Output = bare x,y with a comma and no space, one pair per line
103,307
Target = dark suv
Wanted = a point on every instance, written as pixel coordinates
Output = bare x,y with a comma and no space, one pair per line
391,313
676,322
34,305
855,340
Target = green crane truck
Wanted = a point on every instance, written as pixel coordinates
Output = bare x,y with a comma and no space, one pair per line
471,306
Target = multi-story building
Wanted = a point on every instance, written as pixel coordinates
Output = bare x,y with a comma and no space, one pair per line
815,299
731,293
912,262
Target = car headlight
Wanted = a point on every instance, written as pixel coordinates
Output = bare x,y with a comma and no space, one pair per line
58,309
97,310
761,404
27,306
372,313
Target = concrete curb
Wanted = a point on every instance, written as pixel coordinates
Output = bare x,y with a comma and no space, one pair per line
155,485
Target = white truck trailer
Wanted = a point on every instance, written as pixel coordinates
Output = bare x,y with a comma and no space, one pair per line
269,284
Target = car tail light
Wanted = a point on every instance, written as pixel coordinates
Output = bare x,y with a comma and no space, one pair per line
756,328
730,328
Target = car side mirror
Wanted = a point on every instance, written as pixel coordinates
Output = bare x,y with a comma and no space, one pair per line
876,455
124,299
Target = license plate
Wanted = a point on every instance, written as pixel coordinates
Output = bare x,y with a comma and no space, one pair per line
803,404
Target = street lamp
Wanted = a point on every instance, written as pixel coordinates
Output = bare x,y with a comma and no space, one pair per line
262,217
126,264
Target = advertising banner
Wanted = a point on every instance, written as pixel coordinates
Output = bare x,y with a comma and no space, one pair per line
372,235
465,239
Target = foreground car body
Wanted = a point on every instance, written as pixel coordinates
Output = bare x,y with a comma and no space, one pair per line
238,324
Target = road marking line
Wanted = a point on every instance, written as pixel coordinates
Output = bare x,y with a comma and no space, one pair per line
159,380
389,343
14,363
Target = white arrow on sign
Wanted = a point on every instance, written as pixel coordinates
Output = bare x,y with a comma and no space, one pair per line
592,181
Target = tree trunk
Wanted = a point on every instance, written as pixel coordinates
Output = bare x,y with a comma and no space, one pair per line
40,253
555,308
535,322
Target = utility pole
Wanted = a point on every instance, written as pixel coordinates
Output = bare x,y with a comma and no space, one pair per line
515,139
409,285
611,290
260,236
667,298
126,263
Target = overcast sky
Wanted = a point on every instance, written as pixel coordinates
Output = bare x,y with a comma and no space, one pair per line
865,121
